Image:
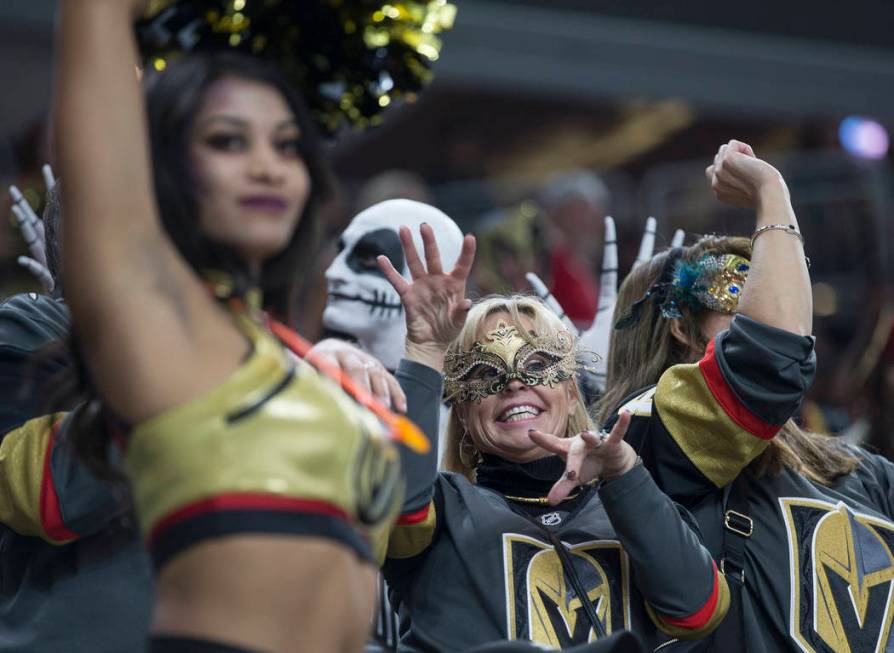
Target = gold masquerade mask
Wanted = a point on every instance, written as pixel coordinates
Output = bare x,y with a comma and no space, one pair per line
504,355
714,282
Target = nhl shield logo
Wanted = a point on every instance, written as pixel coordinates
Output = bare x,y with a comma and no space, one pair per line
842,575
551,519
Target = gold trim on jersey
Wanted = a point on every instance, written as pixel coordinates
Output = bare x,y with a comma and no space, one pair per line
715,444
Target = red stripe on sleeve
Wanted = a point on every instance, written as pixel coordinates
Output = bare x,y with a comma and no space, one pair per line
50,511
411,518
698,619
246,502
727,399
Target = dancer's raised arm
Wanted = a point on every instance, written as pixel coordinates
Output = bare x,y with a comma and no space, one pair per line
131,294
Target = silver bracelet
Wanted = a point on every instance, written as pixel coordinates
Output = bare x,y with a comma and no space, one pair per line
790,229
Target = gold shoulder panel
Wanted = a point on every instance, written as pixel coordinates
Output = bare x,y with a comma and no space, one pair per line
712,441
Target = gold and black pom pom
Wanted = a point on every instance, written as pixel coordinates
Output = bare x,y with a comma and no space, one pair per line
350,58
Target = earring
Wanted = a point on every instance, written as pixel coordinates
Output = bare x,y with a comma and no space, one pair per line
469,455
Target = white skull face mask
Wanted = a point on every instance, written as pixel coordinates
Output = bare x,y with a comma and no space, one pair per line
361,303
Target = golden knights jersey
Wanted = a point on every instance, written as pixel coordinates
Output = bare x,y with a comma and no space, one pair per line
469,569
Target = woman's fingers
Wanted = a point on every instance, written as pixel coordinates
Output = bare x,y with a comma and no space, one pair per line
430,247
594,440
620,428
550,442
394,277
571,479
463,266
739,146
414,263
458,313
354,367
378,383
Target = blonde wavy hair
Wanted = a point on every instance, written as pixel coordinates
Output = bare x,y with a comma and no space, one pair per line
457,450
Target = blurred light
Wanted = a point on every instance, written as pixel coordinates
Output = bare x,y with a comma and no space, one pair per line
863,137
159,64
825,300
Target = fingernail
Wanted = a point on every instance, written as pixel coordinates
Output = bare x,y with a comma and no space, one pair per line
530,431
571,475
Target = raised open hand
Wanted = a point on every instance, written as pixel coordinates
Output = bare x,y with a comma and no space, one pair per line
588,456
434,301
738,177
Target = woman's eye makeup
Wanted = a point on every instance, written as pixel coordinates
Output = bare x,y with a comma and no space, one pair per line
289,146
537,363
482,373
224,142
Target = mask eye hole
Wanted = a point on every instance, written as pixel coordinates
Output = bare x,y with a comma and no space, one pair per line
482,372
537,363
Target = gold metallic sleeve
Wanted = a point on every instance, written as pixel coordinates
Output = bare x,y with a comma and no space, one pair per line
28,503
719,447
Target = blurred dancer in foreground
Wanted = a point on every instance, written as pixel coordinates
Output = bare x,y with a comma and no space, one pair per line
261,540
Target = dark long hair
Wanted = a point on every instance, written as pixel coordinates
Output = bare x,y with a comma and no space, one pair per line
173,99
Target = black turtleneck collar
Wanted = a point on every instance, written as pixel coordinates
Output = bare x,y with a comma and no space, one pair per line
533,479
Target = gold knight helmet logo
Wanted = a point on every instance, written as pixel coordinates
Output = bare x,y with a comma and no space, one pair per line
842,574
541,604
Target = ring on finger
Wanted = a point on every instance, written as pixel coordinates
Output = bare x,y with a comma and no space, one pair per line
602,436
